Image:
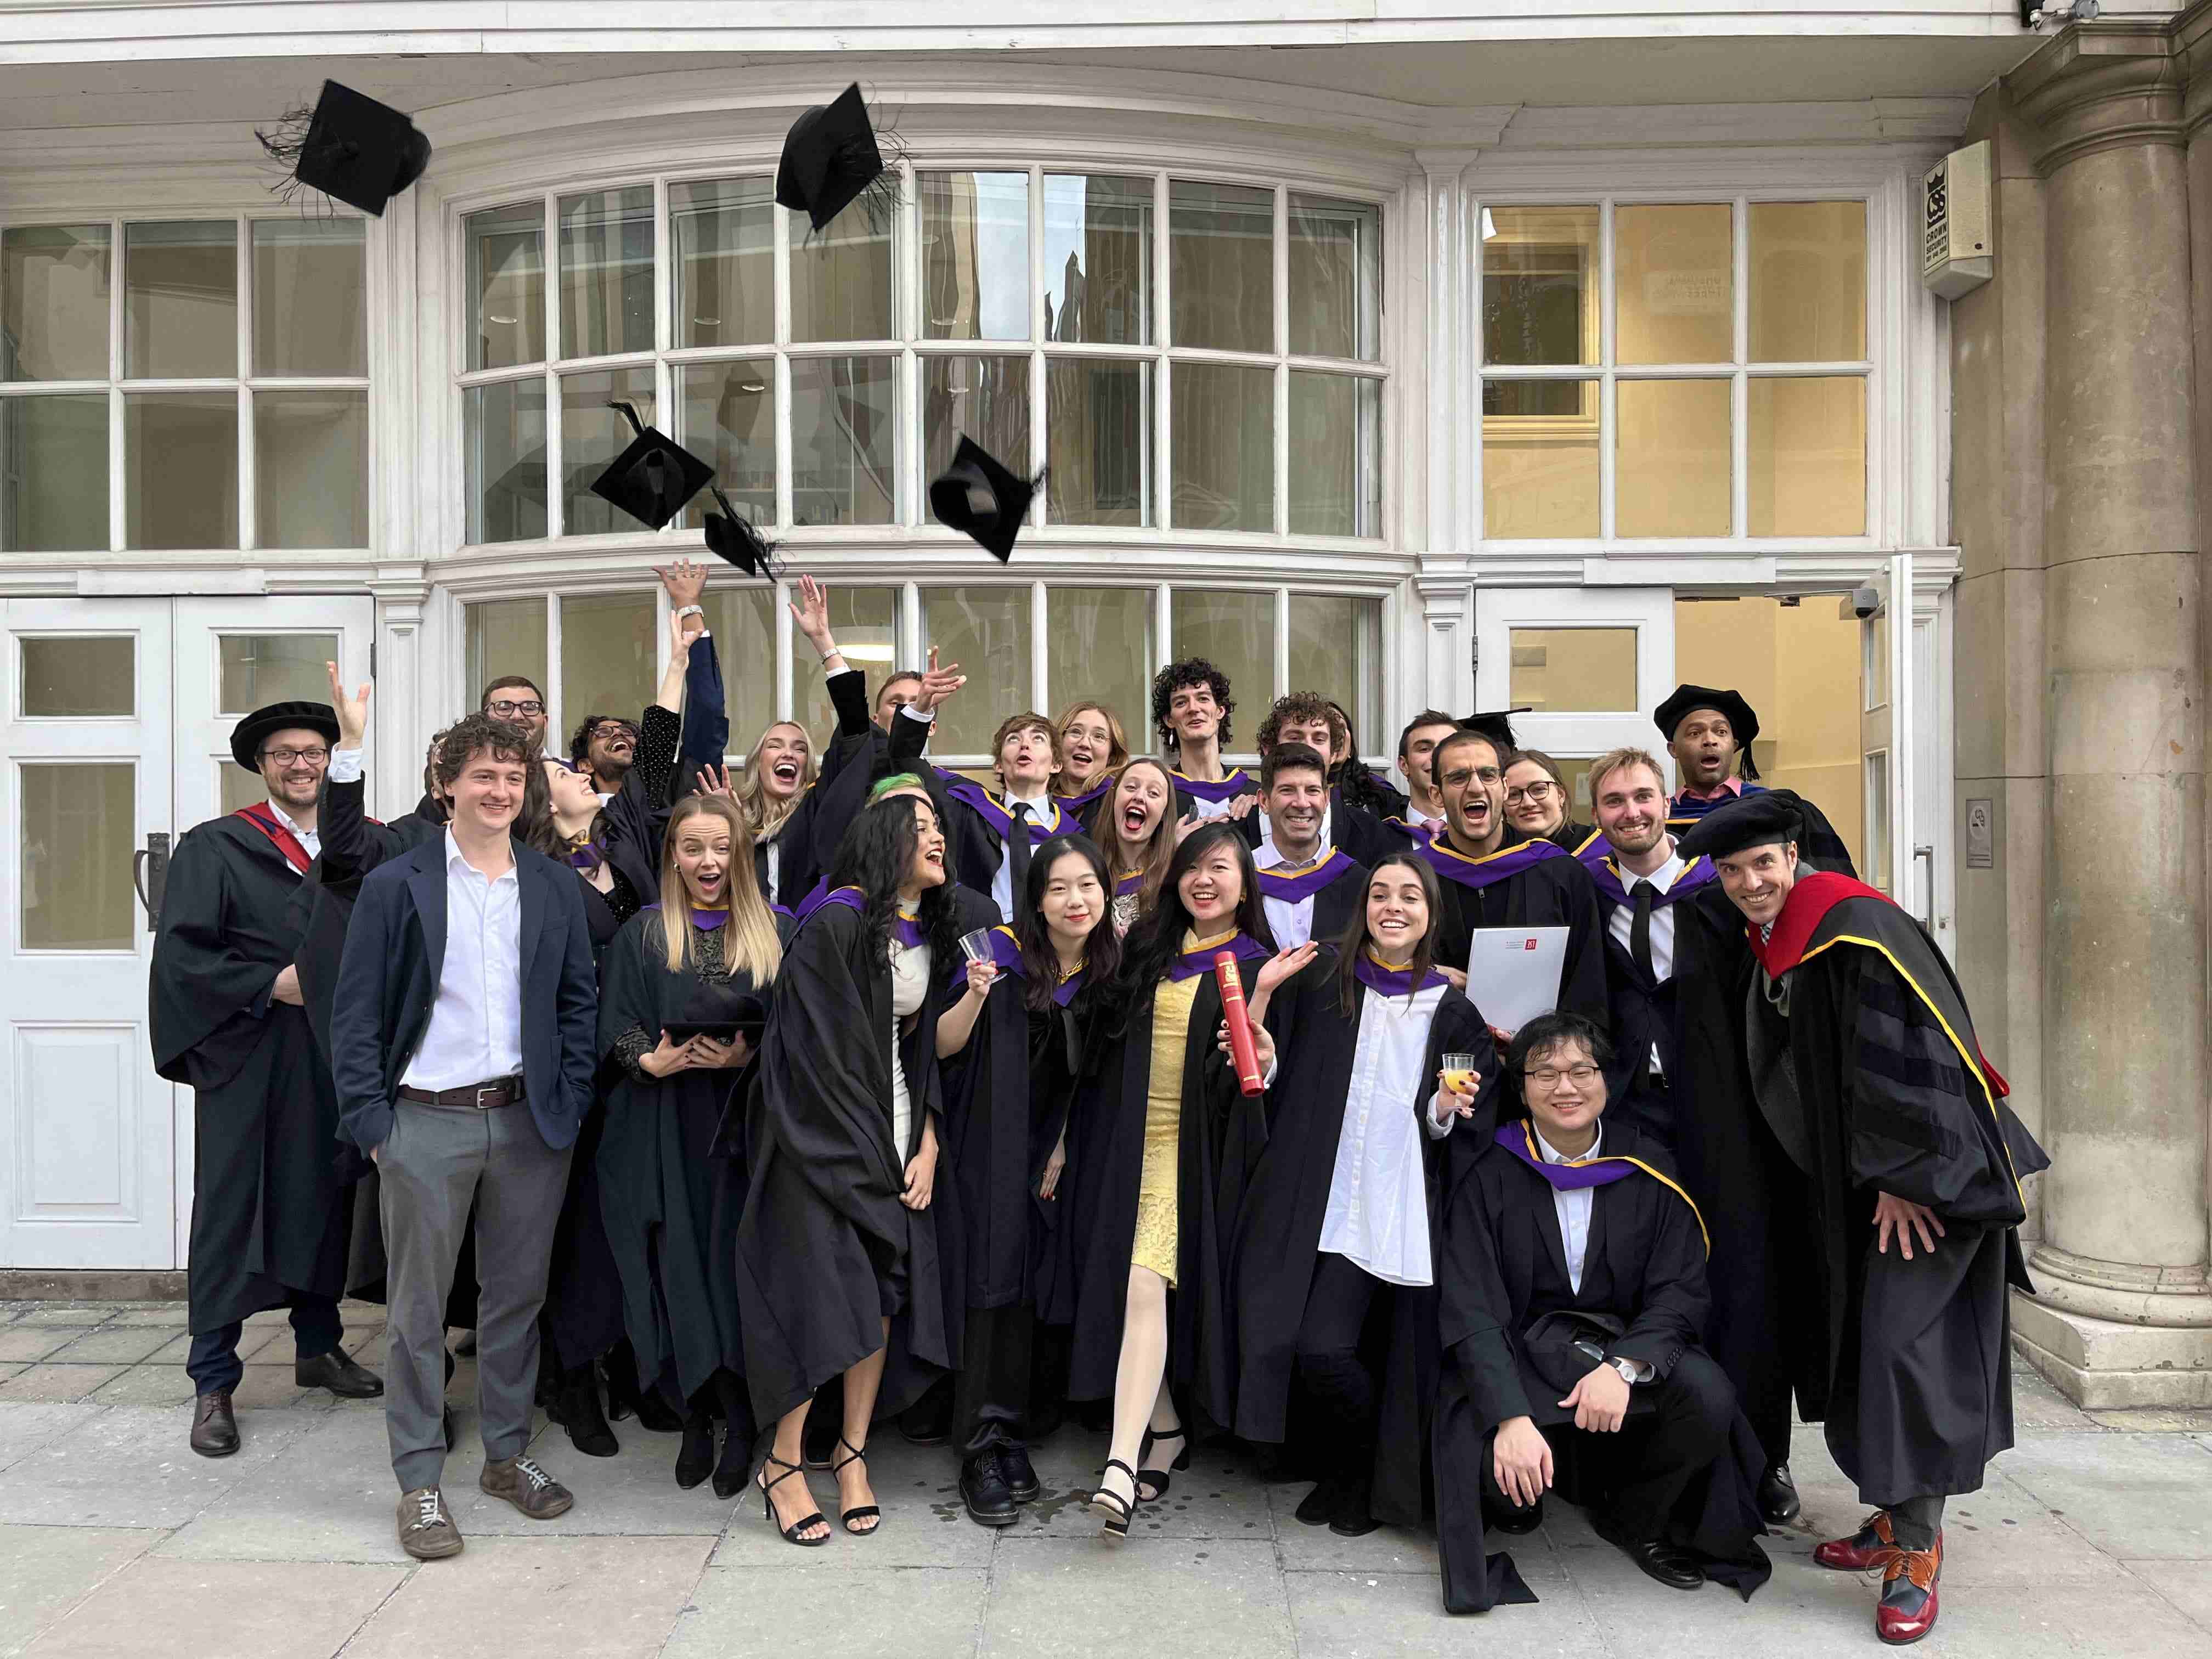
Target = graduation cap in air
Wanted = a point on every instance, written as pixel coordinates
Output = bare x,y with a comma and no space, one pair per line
732,537
350,147
1687,700
979,498
653,479
1496,724
831,158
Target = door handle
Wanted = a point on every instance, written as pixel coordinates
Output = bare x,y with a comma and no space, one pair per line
1928,913
150,874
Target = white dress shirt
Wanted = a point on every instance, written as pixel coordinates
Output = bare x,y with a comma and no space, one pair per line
310,840
1421,820
1620,922
1572,1208
475,1033
1039,811
1378,1209
1289,921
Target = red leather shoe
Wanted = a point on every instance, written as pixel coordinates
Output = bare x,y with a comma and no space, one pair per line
1864,1551
1907,1609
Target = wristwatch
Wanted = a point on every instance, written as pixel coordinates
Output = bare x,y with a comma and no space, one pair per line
1625,1367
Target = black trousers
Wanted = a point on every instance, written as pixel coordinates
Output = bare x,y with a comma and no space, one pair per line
1331,1360
991,1392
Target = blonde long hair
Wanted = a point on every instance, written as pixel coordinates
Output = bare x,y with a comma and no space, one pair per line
1159,852
764,815
1117,744
750,944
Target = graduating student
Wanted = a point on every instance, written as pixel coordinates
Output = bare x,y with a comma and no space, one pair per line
1904,1200
1491,879
1093,748
1536,802
1308,719
227,1017
1136,826
1191,707
1165,1143
1572,1285
1311,889
1423,813
1335,1266
1368,790
1011,1046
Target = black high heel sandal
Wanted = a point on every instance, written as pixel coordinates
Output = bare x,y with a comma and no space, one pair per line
768,1506
1123,1509
859,1512
1159,1480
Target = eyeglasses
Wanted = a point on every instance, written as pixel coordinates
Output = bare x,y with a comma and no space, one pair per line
508,710
614,729
1547,1077
1457,778
1531,793
293,756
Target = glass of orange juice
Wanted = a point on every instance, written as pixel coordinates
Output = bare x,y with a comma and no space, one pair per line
1459,1075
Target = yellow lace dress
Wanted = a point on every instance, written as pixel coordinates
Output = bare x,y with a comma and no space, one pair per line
1154,1246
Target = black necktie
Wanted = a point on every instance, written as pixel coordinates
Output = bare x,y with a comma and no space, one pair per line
1639,929
1018,850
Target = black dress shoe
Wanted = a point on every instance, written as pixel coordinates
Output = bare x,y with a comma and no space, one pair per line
1353,1515
1316,1508
576,1407
694,1459
1777,1496
338,1371
983,1490
215,1430
1674,1567
928,1421
1019,1474
655,1414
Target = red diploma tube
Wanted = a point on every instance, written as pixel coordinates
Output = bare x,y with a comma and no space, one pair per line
1240,1027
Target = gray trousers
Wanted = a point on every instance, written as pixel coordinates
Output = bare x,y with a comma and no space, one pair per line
436,1161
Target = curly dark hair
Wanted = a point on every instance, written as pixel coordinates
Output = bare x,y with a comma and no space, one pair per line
1156,940
1300,706
875,855
580,745
506,739
1191,671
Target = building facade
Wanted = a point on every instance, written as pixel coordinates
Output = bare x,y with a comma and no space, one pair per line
1424,358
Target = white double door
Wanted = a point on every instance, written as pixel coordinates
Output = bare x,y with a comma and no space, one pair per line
118,714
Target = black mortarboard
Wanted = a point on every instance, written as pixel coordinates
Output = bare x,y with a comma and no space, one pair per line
829,157
1770,816
245,737
351,146
1742,719
732,536
979,498
1496,724
653,479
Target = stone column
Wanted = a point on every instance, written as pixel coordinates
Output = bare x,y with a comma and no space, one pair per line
1443,586
2124,1213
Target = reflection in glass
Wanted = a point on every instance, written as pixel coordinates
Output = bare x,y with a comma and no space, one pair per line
1808,282
311,469
1097,259
1223,462
1808,456
723,234
844,412
841,280
255,670
1336,464
866,622
180,469
505,433
591,435
1098,431
1336,649
53,302
610,660
77,678
1236,632
506,636
1336,278
986,631
1674,284
986,399
506,282
606,272
1540,285
181,301
79,830
743,621
1540,458
310,297
974,256
1221,265
1573,669
53,473
725,416
1671,474
1100,644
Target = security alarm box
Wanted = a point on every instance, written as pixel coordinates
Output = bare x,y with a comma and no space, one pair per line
1958,248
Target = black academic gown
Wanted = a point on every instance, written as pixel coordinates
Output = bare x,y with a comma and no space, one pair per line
808,838
1352,831
1553,892
1279,1231
269,1204
1335,905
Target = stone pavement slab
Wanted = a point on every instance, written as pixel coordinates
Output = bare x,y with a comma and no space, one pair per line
129,1466
154,1609
2186,1584
739,1612
23,1428
1081,1598
2133,1496
1382,1615
46,1571
56,1383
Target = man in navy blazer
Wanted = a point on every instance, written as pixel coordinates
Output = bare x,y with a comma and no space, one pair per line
462,1040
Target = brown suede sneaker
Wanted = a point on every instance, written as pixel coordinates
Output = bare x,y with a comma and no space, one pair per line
528,1487
426,1532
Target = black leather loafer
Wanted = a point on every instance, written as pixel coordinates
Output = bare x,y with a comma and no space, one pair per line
983,1490
338,1371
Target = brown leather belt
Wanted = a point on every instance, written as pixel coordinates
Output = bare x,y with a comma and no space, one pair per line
476,1097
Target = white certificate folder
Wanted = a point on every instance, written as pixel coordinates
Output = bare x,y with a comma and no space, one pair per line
1513,973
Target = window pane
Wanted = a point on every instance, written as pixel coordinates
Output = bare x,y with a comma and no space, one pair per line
79,830
1336,649
742,620
591,435
1674,284
1569,670
841,280
506,636
1808,442
843,412
1540,285
180,470
506,438
1100,646
1225,447
1221,265
725,416
606,272
1808,282
1236,632
1539,459
976,256
255,670
609,660
310,297
1097,259
180,308
53,303
65,678
1099,441
507,277
1672,468
723,231
311,469
866,623
1336,464
1336,278
986,399
53,474
986,631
